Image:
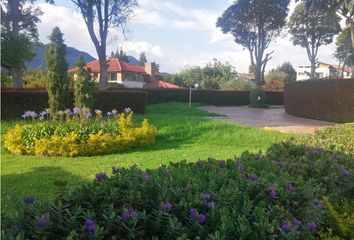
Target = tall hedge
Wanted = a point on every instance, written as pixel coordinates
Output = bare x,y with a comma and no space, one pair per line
57,79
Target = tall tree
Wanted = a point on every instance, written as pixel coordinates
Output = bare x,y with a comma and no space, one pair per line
156,66
57,78
99,16
344,49
83,86
142,58
312,28
254,24
344,8
121,55
19,34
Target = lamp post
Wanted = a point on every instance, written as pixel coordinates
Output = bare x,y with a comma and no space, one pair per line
196,86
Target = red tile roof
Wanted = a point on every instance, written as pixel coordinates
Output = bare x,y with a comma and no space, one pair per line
114,65
160,84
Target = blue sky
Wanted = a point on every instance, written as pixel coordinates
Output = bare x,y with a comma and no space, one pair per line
174,33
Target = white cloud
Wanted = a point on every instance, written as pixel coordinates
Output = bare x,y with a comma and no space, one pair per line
138,47
144,16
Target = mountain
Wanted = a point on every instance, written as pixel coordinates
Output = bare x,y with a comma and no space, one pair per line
72,54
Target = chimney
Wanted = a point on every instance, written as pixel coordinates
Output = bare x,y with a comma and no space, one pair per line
150,70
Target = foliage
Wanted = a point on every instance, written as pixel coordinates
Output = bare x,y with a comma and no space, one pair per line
99,17
156,66
275,81
142,58
312,28
238,84
57,78
258,98
34,78
83,86
335,138
344,49
74,134
276,195
191,75
254,24
287,68
19,35
174,79
121,55
340,221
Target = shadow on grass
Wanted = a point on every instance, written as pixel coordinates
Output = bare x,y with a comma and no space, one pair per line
42,183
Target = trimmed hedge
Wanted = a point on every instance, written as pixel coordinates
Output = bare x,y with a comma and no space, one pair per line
328,100
15,102
212,97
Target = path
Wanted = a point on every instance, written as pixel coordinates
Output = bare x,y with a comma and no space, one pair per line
274,118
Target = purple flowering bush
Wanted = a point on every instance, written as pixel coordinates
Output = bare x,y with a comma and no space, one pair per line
78,132
275,195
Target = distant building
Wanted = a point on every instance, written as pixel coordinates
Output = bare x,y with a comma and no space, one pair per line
129,75
323,70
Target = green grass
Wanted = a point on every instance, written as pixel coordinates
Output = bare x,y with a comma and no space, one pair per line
183,133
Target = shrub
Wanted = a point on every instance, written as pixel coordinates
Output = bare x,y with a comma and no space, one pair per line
335,138
83,86
76,135
276,195
258,98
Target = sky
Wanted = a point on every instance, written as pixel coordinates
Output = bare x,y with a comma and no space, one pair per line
174,33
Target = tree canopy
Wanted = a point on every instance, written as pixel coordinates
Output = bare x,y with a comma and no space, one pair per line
254,25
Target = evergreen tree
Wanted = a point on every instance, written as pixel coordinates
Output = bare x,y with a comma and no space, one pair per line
83,86
57,79
142,58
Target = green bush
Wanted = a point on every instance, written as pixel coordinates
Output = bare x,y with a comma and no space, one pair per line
335,138
75,134
258,98
276,195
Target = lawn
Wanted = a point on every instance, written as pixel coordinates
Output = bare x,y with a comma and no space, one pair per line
183,133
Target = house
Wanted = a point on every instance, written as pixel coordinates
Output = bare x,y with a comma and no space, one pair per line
323,70
161,84
129,75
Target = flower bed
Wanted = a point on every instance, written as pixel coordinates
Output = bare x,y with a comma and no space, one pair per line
78,133
276,195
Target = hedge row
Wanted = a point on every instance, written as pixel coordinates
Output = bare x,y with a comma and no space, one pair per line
328,100
15,102
212,97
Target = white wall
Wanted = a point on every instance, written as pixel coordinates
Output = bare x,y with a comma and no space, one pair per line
130,84
302,76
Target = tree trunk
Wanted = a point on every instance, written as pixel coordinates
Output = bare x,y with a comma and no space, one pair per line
103,81
313,68
17,78
352,55
258,74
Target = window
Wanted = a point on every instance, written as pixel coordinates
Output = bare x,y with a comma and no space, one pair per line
113,77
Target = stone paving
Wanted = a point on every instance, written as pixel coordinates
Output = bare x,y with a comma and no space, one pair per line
274,118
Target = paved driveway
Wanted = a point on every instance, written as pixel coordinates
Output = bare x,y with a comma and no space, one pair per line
274,118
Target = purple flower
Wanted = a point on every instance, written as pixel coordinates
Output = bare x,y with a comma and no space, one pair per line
87,114
201,218
253,178
317,202
311,226
101,176
165,207
344,171
285,228
290,186
193,213
297,222
221,162
41,118
28,114
209,205
205,196
90,226
42,222
128,214
77,110
256,157
199,163
239,165
109,114
29,200
127,110
43,113
116,169
145,176
272,192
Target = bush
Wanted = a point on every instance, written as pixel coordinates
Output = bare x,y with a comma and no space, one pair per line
336,138
258,98
77,135
276,195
